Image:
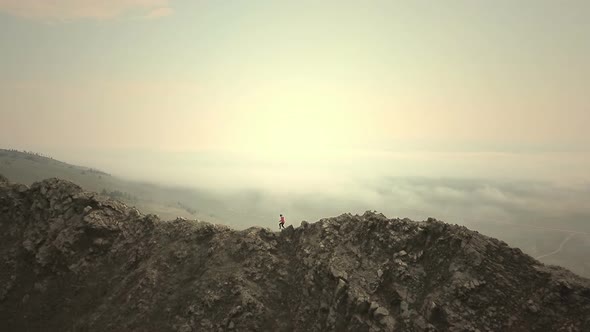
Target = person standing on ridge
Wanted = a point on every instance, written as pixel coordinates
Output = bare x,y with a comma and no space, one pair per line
282,222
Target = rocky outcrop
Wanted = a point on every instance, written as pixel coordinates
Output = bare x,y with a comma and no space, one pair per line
77,261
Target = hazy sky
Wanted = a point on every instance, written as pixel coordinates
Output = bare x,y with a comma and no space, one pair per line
275,90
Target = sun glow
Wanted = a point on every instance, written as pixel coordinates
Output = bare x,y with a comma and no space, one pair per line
299,121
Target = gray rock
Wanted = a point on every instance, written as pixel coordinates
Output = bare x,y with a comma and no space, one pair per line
185,328
380,312
374,306
94,250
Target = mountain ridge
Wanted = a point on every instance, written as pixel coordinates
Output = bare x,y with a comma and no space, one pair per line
75,260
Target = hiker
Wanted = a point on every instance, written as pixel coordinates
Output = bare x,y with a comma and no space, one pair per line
282,222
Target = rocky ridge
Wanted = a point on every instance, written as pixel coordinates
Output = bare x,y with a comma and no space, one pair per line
77,261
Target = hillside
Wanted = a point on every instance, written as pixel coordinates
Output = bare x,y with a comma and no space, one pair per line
77,261
168,203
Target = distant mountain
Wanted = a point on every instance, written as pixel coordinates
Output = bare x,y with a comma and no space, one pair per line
168,203
28,167
78,261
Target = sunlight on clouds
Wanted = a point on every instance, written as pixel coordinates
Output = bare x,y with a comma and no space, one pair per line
298,121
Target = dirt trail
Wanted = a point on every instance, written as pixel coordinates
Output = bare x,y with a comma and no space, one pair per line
561,245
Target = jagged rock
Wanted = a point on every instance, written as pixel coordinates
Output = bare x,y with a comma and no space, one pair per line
380,312
185,328
532,307
73,260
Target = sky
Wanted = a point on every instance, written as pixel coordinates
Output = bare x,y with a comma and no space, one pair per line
300,94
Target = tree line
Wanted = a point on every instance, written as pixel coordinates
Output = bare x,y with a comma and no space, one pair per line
30,153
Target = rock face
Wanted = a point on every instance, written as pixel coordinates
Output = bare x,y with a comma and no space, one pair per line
76,261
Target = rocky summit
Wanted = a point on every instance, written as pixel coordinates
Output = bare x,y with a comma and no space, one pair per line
77,261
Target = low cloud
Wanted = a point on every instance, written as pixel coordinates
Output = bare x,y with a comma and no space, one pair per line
66,10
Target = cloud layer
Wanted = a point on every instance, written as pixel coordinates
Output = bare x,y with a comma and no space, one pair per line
65,10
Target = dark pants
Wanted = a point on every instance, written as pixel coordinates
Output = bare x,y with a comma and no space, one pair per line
281,225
